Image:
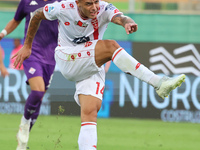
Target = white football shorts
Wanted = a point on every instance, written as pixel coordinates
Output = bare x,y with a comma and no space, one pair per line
78,64
94,86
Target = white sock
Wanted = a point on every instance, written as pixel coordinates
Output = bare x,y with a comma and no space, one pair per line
87,139
130,65
25,121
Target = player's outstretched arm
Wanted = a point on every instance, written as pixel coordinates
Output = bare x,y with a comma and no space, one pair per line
34,24
3,69
12,25
125,21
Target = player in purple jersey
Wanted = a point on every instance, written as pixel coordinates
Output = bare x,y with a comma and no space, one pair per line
81,53
39,66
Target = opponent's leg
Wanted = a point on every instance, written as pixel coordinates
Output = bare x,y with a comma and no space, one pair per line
32,106
35,115
37,84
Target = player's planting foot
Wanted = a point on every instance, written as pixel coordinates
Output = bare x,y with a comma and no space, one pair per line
168,84
23,135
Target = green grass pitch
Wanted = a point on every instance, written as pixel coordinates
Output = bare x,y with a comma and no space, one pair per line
61,133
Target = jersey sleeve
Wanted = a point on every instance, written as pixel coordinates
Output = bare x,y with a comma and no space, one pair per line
52,11
111,11
20,12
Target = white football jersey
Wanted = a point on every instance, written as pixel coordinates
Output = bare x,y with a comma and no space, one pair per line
73,29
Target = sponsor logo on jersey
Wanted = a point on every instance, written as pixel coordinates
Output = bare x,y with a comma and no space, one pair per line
137,66
110,7
46,8
33,3
81,40
51,8
81,24
116,11
88,43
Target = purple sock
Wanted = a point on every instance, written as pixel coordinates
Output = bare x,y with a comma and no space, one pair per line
35,115
33,104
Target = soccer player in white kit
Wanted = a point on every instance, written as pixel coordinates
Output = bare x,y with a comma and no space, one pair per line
81,53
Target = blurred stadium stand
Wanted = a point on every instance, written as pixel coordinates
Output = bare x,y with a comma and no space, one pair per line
159,6
138,6
8,5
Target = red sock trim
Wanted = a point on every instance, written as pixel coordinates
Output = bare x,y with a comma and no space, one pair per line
94,146
84,124
116,53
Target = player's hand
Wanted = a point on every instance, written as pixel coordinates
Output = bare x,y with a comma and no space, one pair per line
130,27
21,55
4,71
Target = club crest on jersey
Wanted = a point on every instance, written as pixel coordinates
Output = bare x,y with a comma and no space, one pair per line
32,70
81,24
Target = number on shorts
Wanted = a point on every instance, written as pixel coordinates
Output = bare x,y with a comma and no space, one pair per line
98,86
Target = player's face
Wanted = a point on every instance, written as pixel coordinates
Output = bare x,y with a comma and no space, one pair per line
88,8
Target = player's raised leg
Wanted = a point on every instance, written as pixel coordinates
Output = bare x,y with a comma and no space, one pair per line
167,84
106,50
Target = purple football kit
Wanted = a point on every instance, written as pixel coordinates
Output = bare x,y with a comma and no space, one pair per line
41,62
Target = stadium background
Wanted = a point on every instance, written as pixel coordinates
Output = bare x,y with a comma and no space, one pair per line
165,26
167,41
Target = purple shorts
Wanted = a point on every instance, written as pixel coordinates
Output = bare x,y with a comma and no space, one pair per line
36,68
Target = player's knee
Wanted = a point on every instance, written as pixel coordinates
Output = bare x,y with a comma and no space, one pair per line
89,114
37,94
111,45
